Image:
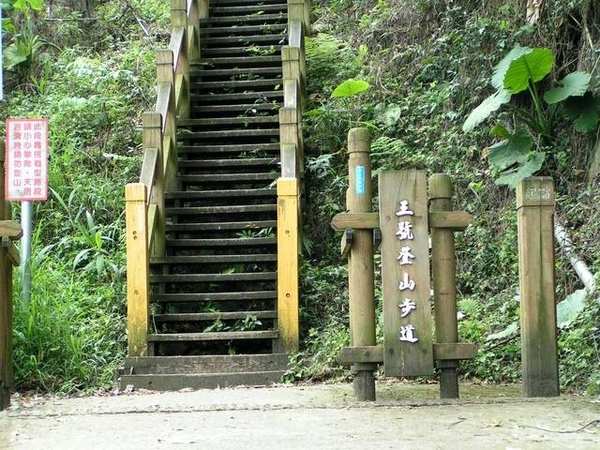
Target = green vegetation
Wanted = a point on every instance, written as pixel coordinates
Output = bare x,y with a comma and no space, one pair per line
427,64
92,81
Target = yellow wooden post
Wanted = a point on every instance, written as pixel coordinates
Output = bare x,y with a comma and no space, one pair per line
535,219
288,249
138,270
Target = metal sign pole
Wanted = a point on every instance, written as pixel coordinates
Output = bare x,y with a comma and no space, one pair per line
26,225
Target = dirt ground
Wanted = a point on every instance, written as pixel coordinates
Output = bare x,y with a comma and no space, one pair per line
405,416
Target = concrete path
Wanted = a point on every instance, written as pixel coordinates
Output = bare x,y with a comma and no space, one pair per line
303,417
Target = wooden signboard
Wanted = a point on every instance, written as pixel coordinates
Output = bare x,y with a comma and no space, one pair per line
408,349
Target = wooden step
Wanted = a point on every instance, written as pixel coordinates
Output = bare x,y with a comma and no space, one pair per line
260,19
236,296
260,39
265,84
226,209
229,134
247,2
248,50
215,259
244,121
255,9
213,336
176,382
203,149
221,226
205,364
263,28
242,61
222,193
199,71
212,243
213,277
199,317
245,163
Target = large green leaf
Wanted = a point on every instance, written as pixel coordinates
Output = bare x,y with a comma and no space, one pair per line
349,88
487,107
502,66
584,111
568,309
530,167
573,85
510,151
529,67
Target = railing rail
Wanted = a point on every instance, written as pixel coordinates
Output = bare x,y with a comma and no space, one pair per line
145,201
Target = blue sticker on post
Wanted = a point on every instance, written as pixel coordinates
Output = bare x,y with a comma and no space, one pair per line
359,175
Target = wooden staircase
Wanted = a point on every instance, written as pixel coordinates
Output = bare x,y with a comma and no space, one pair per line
213,289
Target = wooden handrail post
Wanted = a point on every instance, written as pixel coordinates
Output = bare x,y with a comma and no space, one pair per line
300,10
361,285
179,13
193,30
152,138
138,271
535,221
443,265
203,8
288,250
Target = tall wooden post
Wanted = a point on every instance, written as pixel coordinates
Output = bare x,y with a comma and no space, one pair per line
138,268
360,261
443,267
535,219
288,249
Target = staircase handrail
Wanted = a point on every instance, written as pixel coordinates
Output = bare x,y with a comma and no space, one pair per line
145,200
289,185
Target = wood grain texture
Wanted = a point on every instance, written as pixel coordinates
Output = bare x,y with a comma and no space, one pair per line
535,222
405,358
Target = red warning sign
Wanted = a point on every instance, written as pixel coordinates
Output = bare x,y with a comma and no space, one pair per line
26,159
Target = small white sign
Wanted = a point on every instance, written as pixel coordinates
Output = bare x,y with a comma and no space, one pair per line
26,159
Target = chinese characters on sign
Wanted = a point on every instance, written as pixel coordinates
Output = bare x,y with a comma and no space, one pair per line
403,220
405,257
26,159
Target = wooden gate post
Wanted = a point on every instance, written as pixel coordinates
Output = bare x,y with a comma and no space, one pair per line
360,261
535,219
443,266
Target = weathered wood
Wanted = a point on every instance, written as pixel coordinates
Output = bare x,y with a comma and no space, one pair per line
535,217
11,250
299,10
149,169
368,354
361,285
152,138
288,250
454,351
11,229
138,271
405,273
176,382
213,336
347,240
179,12
217,364
452,220
444,280
357,221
